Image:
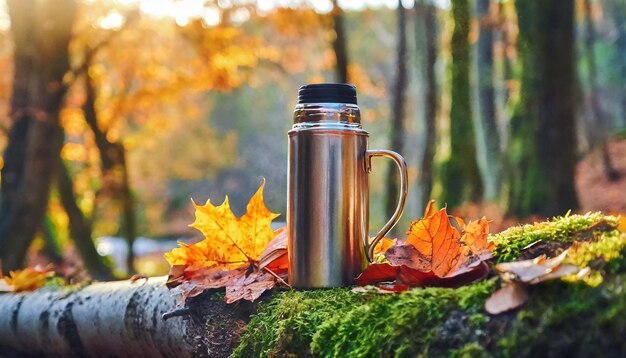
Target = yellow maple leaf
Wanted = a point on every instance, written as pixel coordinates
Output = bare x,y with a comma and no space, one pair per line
28,279
228,240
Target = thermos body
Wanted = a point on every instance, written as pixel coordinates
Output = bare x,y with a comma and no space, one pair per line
327,195
327,206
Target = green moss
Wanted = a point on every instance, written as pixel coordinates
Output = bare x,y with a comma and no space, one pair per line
288,322
401,325
510,242
560,318
341,322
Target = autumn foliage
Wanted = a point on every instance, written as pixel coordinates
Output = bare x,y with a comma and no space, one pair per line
27,279
244,254
435,253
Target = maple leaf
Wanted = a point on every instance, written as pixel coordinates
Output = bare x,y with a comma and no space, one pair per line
228,240
28,279
383,245
435,253
437,241
243,255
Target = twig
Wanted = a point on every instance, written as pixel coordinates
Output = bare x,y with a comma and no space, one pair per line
176,313
277,277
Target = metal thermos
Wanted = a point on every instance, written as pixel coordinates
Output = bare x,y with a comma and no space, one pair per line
328,197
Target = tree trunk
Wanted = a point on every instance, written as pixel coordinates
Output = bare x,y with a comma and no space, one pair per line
598,129
52,249
617,10
41,33
504,63
488,149
427,29
543,140
114,169
80,228
103,319
398,109
339,44
460,176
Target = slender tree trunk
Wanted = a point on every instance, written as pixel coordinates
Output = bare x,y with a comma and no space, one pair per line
504,61
599,127
427,32
339,44
398,110
80,228
617,10
50,239
41,33
460,175
114,169
543,139
488,149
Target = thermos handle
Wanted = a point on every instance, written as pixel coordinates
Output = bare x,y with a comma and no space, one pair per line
399,160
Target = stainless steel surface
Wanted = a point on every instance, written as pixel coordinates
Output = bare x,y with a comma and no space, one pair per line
404,180
328,197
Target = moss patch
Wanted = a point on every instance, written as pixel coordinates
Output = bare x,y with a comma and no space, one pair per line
510,242
288,322
560,318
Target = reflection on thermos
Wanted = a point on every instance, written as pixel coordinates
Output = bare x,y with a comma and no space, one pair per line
328,198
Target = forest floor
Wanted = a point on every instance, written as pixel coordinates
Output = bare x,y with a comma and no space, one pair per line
595,191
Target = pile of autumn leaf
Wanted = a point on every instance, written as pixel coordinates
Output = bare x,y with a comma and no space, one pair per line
246,257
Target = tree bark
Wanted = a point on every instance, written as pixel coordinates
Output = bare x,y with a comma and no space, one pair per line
80,228
460,175
617,10
598,129
103,319
339,44
543,141
114,169
52,249
41,33
427,29
398,110
488,149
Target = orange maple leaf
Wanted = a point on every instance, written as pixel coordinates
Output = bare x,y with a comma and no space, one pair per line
435,253
449,251
229,241
437,241
28,279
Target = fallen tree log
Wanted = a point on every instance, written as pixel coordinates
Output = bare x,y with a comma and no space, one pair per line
110,318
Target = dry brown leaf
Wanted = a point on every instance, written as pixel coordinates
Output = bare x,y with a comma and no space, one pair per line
520,274
536,270
275,253
407,254
508,298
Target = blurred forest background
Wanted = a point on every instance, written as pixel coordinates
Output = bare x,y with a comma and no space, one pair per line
113,114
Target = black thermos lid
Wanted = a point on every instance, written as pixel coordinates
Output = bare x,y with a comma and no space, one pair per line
327,93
